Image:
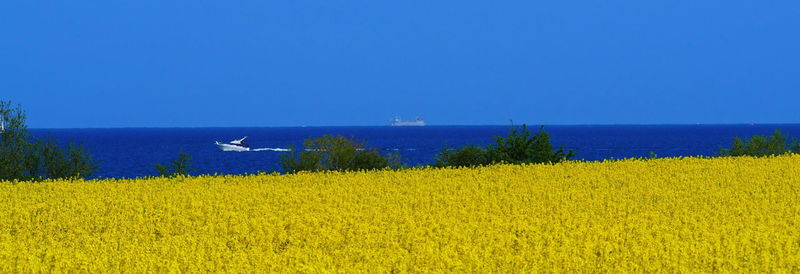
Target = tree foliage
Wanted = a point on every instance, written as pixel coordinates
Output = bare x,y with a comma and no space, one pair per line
518,147
465,156
180,166
23,157
16,158
759,145
335,153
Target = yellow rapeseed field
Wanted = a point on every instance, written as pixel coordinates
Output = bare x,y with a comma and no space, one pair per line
689,214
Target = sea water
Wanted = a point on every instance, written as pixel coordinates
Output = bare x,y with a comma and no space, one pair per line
132,152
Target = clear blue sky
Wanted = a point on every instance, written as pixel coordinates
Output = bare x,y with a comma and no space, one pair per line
291,63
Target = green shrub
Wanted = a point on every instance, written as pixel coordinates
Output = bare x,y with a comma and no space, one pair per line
179,166
298,161
518,147
759,145
465,156
335,153
25,158
64,163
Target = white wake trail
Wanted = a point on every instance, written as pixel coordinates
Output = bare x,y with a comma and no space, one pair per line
271,149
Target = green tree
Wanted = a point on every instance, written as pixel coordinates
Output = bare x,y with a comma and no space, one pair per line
518,147
25,158
335,153
16,160
759,145
180,166
62,163
465,156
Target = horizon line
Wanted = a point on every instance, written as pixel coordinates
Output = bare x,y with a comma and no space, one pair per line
435,125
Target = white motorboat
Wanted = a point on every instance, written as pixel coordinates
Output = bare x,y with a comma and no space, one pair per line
235,145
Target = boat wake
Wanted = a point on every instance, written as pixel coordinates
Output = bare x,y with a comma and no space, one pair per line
277,149
271,149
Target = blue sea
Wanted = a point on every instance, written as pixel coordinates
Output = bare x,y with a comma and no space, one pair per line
132,152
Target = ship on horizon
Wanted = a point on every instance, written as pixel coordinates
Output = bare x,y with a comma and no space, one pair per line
397,122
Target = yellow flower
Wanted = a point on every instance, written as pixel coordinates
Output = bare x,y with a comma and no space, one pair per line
735,214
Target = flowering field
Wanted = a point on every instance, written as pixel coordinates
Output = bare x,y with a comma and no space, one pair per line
723,214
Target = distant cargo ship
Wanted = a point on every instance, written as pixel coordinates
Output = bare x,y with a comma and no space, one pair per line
397,122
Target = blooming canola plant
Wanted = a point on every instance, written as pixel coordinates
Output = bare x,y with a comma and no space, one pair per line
675,214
